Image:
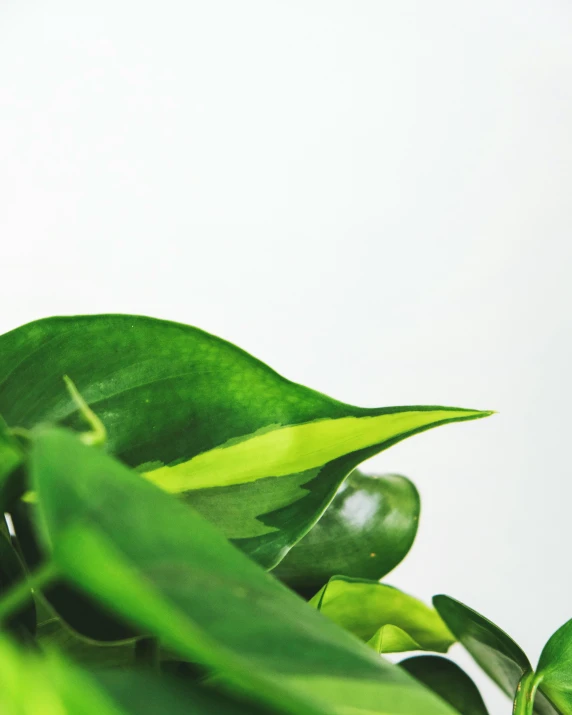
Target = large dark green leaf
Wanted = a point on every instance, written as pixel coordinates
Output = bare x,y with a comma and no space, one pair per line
494,651
365,532
163,567
260,456
449,682
388,619
554,671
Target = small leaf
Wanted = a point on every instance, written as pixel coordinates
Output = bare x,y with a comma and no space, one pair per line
365,532
163,567
554,672
391,639
493,650
259,456
448,681
365,608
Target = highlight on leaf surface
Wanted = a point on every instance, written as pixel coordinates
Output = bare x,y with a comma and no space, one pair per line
389,620
364,533
448,681
261,457
164,568
492,649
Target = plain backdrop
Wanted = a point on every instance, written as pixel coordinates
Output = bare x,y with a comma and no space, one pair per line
374,197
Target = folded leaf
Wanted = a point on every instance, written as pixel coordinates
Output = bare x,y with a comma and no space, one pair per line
258,455
163,567
492,649
554,672
448,681
391,639
366,608
365,532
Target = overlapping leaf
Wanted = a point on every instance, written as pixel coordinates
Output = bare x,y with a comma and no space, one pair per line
258,455
388,619
554,671
447,680
12,571
10,459
365,532
494,651
51,686
164,568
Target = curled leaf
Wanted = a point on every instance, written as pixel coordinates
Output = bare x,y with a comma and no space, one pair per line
385,617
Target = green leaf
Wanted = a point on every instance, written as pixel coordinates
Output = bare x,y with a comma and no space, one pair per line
554,672
55,635
448,681
388,619
493,650
148,694
12,572
365,532
161,566
258,455
10,459
52,686
29,686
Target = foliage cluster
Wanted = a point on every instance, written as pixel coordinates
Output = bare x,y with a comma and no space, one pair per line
184,531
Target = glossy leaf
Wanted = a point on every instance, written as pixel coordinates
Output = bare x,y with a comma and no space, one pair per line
448,681
365,532
390,620
258,455
554,671
494,651
163,567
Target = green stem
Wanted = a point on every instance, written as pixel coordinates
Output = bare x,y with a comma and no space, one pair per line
98,434
524,700
147,653
17,596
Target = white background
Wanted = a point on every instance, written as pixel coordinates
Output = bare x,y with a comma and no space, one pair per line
374,197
